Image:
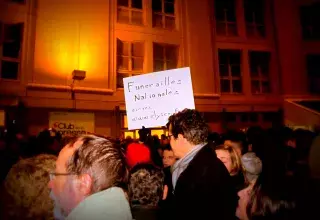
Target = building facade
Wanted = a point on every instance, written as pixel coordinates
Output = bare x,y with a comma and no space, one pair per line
246,57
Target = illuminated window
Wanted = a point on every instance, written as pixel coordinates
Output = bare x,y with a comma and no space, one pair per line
125,121
259,72
310,17
230,71
157,132
163,15
254,17
226,19
135,133
11,36
165,56
129,134
130,12
130,56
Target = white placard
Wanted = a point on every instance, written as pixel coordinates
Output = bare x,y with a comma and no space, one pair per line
152,98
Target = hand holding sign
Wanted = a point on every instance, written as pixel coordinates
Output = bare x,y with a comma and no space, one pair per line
152,98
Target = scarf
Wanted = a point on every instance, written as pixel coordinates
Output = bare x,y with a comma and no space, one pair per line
183,163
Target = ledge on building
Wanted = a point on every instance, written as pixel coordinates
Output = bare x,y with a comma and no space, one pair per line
206,95
37,86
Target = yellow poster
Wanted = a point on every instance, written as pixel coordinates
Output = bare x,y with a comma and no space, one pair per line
72,123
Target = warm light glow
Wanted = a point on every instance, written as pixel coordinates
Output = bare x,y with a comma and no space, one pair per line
71,35
128,133
125,121
157,132
135,134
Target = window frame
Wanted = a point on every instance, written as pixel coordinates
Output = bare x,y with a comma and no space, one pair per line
309,22
165,60
11,59
163,15
227,24
130,10
254,24
229,77
261,78
129,72
311,77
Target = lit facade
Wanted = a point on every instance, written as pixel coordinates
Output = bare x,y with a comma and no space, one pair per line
246,56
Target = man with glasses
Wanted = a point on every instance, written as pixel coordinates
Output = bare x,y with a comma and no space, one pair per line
88,179
201,183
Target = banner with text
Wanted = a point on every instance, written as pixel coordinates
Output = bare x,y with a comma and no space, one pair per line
72,123
152,98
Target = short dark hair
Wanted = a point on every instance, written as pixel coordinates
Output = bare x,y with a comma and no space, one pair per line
190,124
102,160
144,134
146,185
167,147
239,138
271,200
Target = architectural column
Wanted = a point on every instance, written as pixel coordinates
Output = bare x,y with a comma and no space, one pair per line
289,41
199,42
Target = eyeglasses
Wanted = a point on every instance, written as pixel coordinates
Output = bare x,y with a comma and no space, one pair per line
52,175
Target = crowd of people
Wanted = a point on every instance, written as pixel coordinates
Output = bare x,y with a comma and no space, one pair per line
191,173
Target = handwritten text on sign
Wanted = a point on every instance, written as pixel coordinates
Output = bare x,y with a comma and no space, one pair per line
152,98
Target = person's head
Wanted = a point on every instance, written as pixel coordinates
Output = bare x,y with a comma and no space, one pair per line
215,138
137,153
229,158
237,140
164,140
86,165
186,130
237,145
266,200
168,157
160,151
252,166
25,194
144,134
146,185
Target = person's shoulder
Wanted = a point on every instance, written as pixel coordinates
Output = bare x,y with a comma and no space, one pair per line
207,160
111,202
206,155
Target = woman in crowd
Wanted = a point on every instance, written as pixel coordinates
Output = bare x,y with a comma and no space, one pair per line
266,199
230,158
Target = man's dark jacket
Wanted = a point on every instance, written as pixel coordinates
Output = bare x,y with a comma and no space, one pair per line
204,190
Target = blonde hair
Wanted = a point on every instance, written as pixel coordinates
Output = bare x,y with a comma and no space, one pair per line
235,158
